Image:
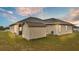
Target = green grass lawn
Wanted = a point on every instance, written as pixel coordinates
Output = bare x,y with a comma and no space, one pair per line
11,42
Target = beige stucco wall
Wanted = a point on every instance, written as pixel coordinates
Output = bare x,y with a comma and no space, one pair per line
14,29
33,32
61,29
37,32
49,29
26,32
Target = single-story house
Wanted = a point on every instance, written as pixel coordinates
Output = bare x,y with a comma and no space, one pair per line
32,27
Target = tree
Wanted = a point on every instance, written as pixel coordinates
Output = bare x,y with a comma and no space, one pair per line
2,28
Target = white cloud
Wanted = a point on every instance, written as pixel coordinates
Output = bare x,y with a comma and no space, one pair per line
73,16
8,14
28,11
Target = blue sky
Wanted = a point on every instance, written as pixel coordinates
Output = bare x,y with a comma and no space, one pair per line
9,15
57,12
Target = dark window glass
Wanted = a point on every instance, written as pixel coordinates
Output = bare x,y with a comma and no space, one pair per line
20,25
52,32
20,32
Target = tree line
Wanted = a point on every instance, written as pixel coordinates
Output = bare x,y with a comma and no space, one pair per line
3,28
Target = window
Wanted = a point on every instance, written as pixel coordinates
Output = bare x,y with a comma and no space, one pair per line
51,32
20,25
20,32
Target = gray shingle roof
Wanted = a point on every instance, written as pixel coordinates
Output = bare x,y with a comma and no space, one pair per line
37,22
56,21
32,21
